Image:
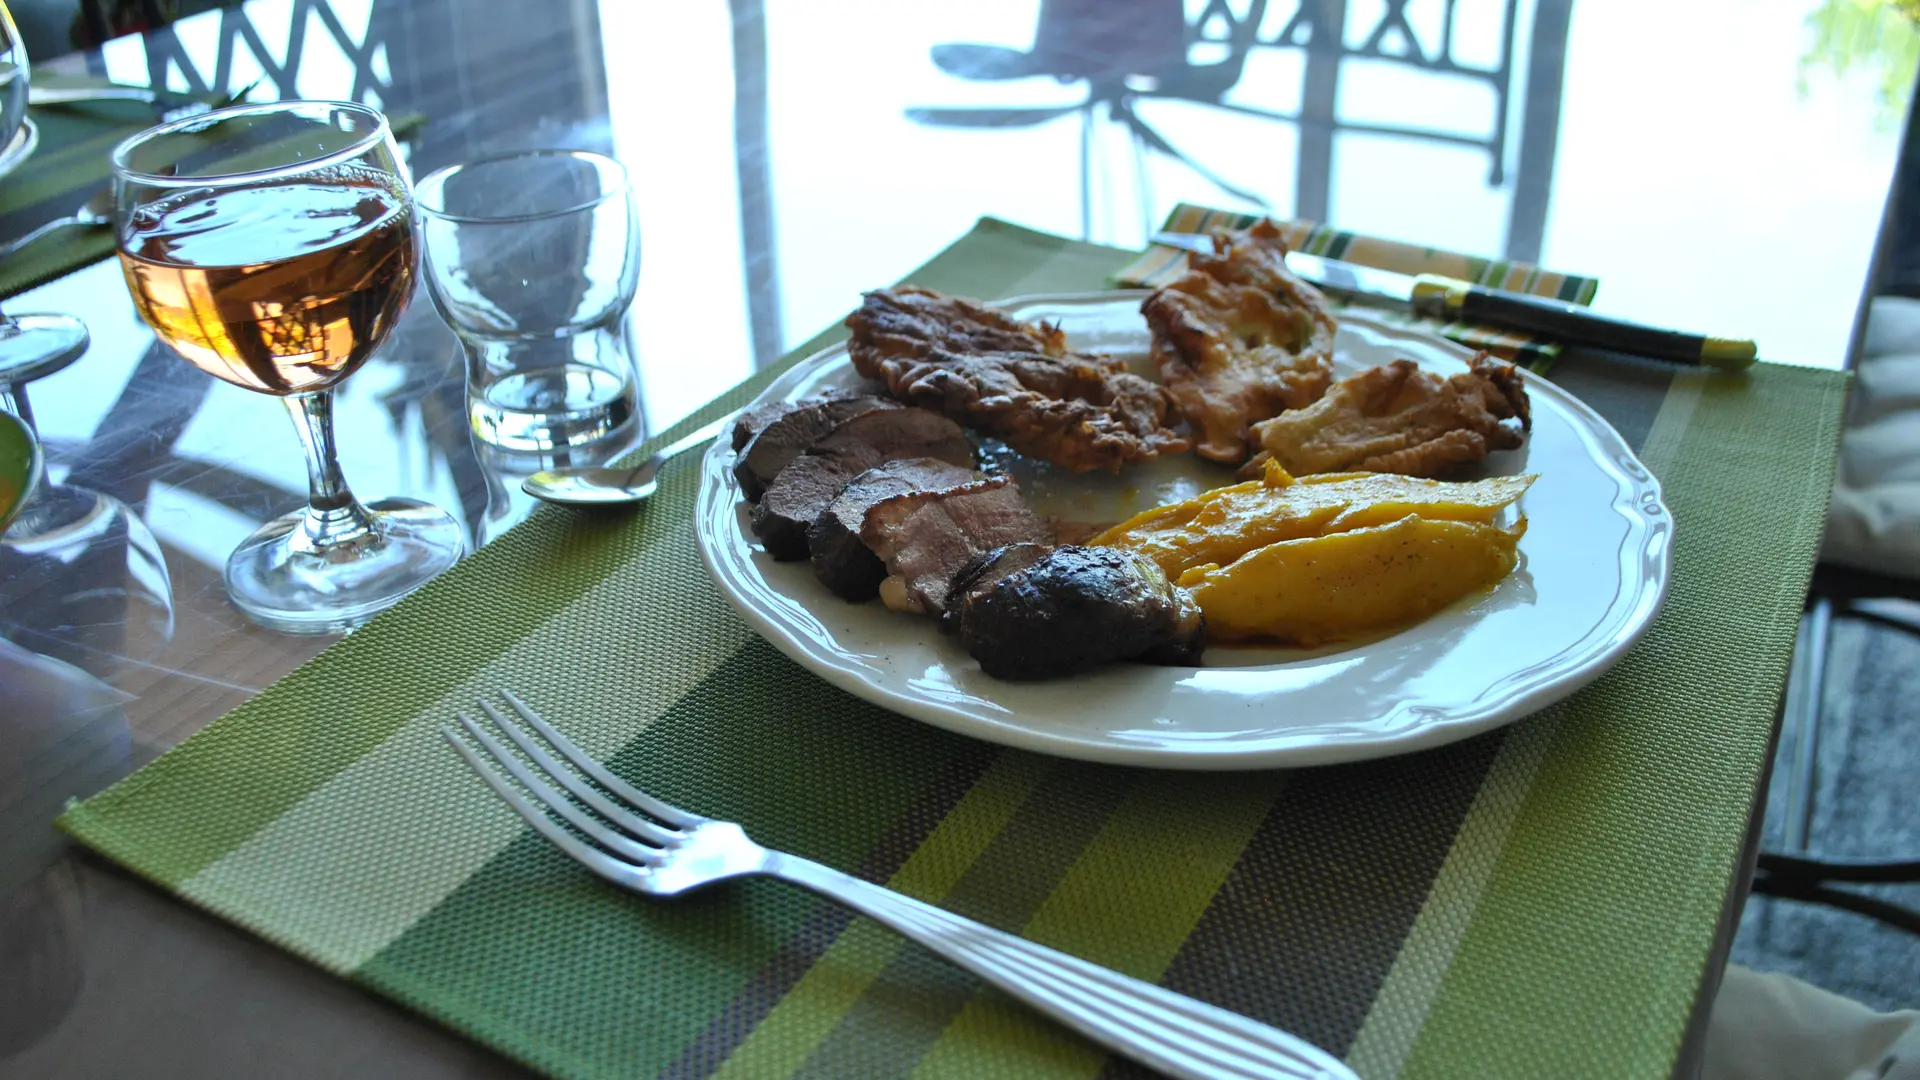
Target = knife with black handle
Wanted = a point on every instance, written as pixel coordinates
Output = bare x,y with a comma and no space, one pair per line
1454,300
1571,324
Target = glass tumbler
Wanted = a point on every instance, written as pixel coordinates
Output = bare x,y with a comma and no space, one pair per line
532,259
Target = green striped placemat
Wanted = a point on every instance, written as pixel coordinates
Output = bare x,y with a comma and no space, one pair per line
1160,264
1539,901
71,163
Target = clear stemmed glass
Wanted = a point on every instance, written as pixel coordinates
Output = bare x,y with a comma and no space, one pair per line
13,78
31,346
273,246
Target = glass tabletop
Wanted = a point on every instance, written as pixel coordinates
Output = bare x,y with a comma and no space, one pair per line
1704,163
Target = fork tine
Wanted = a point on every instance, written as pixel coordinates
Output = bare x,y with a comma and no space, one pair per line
586,854
556,802
648,805
621,815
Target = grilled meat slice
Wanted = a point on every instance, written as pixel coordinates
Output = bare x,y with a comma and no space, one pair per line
1011,379
753,421
811,480
841,562
911,321
808,483
925,537
1238,338
1069,411
1072,609
793,434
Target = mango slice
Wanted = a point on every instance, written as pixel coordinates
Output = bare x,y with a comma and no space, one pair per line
1228,523
1317,589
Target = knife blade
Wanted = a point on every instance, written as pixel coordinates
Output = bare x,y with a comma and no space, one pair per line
173,101
1448,298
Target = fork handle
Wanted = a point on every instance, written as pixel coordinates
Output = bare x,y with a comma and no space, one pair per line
1171,1032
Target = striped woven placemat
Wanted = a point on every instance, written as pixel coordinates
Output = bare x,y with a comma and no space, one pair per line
1539,901
1160,264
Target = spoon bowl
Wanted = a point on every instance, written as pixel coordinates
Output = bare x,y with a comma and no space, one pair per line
600,485
596,485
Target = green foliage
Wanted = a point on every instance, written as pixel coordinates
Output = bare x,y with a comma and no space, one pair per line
1875,35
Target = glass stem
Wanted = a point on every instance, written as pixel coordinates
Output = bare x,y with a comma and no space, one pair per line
334,516
14,400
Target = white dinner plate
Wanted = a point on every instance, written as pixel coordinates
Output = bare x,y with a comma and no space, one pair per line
1592,573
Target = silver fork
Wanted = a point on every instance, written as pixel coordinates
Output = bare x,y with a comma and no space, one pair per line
643,845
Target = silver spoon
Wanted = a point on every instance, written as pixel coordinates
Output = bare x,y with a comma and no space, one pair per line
595,485
94,212
20,466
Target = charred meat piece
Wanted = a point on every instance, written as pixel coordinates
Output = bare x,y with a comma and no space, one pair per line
1397,418
1069,411
811,480
1182,647
1011,379
841,562
1238,338
926,537
983,570
911,321
794,434
1076,608
754,420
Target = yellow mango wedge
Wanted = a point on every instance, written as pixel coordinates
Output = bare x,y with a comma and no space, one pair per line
1227,523
1318,589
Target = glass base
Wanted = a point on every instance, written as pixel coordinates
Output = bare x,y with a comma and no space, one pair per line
550,409
85,568
36,346
282,585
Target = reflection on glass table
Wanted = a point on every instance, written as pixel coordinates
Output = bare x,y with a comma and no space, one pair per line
55,721
83,562
77,559
533,259
273,247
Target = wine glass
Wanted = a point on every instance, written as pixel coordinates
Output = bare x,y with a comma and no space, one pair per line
31,346
13,78
273,246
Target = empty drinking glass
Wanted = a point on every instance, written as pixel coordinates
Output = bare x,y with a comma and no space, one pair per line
532,258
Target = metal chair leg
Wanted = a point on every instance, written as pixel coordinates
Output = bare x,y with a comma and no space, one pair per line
1798,874
1813,892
